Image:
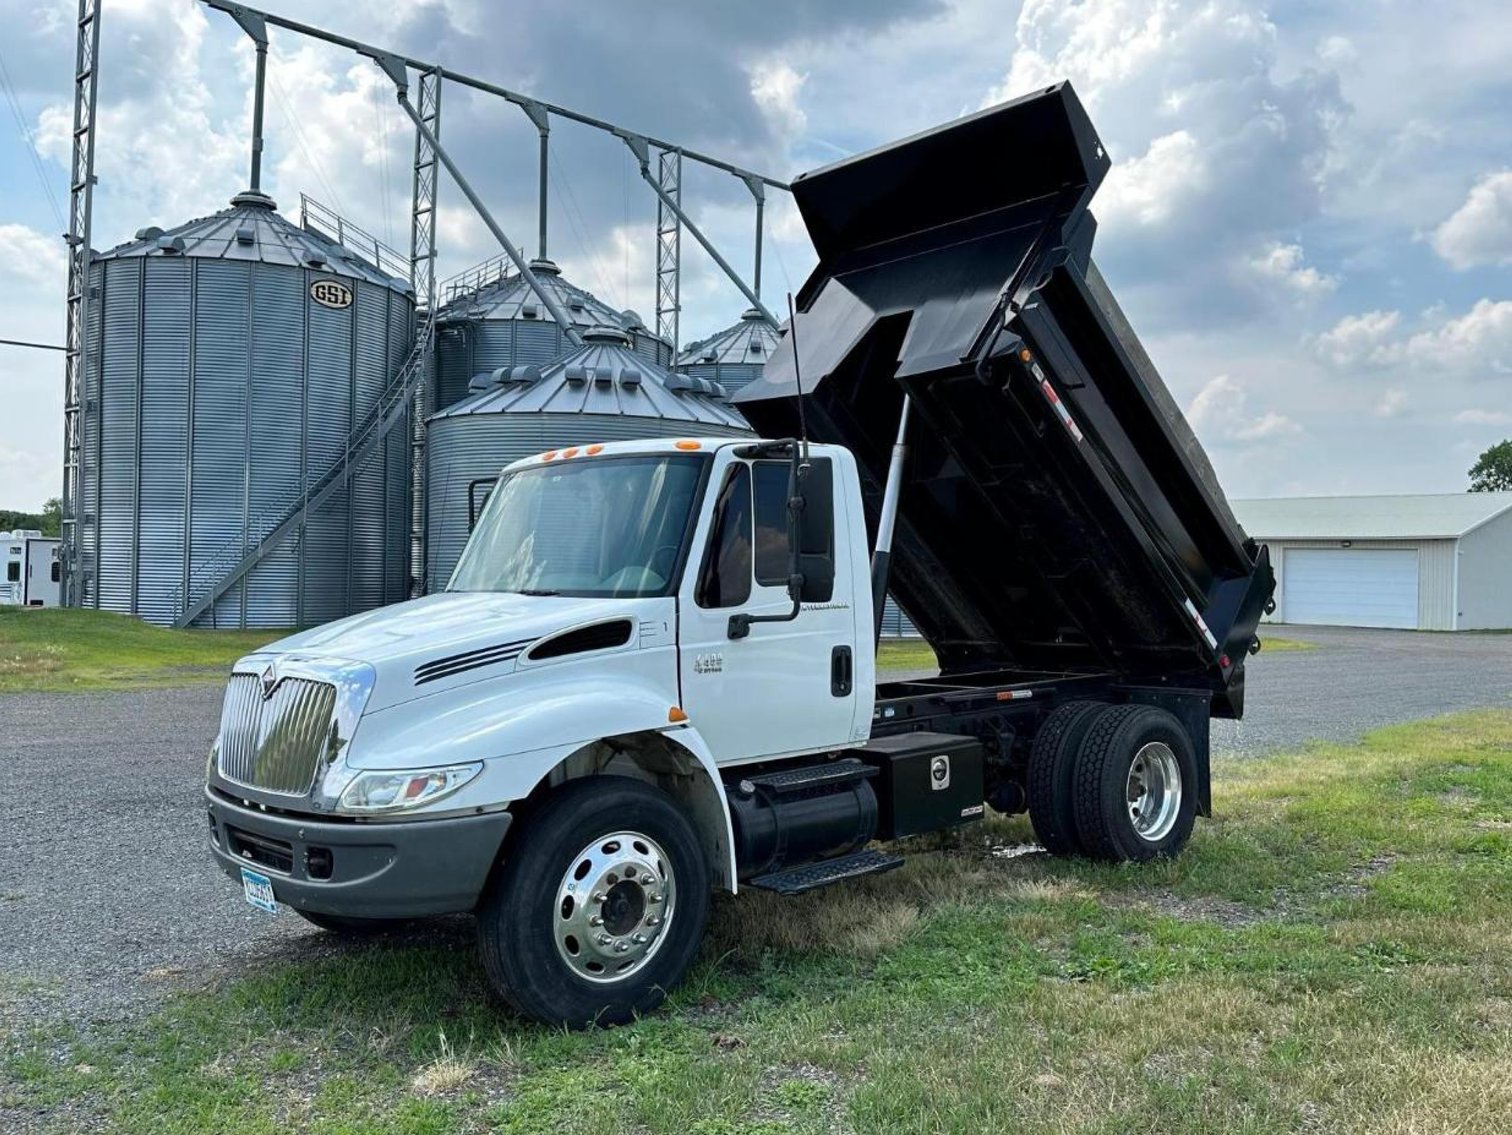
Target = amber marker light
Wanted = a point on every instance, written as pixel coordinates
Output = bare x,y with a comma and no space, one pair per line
1026,355
549,455
572,452
688,444
594,450
675,714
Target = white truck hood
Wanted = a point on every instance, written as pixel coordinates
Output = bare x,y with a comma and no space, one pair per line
400,640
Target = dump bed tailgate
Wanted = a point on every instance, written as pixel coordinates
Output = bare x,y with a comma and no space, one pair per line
1057,512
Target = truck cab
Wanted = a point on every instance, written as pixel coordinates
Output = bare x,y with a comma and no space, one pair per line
652,674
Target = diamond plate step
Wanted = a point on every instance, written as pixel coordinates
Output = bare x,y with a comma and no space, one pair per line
830,775
827,871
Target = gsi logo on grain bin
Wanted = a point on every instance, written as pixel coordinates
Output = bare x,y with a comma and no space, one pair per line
330,293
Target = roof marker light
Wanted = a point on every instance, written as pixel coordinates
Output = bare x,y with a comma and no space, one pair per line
685,444
549,455
594,450
572,451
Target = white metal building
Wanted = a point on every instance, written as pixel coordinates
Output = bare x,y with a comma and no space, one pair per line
1437,563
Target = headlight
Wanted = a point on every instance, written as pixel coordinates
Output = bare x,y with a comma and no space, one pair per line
394,791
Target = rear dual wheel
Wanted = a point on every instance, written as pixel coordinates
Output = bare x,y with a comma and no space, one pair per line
1113,782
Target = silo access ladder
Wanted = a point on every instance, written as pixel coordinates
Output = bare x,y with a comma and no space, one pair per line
222,570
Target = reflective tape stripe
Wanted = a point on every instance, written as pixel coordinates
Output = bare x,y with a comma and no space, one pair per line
1055,403
1014,695
1201,624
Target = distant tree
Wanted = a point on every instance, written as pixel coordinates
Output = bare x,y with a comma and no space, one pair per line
52,517
1492,471
49,521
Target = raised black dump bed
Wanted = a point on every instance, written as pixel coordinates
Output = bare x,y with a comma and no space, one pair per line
1058,516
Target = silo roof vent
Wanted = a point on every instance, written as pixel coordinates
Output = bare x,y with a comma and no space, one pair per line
576,374
246,235
170,244
251,198
315,258
603,334
151,232
630,379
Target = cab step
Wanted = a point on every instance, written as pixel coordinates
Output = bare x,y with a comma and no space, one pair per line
831,775
812,876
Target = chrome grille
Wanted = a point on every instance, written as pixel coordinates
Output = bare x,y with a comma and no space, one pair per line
275,743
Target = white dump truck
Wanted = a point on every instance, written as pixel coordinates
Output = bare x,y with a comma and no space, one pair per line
653,675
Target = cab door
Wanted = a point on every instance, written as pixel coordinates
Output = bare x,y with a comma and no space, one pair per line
784,687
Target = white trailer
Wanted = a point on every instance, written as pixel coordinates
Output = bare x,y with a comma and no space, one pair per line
32,574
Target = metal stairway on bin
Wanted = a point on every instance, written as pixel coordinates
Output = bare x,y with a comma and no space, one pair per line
262,534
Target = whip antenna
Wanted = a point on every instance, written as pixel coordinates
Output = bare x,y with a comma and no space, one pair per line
797,375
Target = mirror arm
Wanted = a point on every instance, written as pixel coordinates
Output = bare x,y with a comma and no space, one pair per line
740,625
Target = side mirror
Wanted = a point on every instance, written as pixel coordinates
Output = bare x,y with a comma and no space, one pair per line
818,578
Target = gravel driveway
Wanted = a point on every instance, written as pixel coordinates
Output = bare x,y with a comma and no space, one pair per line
107,894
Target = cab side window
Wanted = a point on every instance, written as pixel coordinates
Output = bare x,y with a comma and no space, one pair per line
725,578
13,572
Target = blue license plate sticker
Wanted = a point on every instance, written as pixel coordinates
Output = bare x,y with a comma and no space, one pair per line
259,890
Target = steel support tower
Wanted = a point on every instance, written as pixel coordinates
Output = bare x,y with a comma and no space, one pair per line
423,279
76,575
668,247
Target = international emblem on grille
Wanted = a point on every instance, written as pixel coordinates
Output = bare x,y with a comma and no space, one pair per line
269,682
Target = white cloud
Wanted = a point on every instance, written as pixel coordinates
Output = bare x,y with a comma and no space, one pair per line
1392,403
32,258
1282,264
1476,344
1479,231
1220,412
1150,188
777,87
1337,50
1217,142
1359,339
1483,418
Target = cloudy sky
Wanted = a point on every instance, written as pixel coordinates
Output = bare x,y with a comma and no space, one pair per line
1309,218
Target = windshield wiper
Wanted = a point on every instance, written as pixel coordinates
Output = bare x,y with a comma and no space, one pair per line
535,591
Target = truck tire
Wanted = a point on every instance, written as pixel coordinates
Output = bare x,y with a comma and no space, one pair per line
1052,769
1135,788
599,908
350,927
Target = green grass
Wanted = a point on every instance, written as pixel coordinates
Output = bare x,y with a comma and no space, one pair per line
1331,954
54,649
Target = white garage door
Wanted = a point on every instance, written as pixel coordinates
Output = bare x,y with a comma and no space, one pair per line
1351,587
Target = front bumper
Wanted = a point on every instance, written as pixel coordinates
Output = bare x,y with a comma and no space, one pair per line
407,869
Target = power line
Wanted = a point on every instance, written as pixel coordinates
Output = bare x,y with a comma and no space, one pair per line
38,346
304,147
26,136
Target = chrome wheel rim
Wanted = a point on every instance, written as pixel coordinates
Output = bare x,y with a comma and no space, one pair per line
613,906
1154,791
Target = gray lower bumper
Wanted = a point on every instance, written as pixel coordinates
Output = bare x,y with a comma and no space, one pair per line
377,870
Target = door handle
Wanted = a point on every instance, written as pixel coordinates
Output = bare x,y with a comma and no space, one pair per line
841,676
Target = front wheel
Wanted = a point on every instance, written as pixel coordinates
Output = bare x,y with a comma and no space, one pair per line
600,908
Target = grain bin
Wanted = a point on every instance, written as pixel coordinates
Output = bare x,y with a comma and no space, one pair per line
599,392
503,323
733,357
231,358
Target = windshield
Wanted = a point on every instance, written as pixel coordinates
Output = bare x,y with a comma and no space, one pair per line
612,527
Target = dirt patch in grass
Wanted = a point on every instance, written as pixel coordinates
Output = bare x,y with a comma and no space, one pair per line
1330,954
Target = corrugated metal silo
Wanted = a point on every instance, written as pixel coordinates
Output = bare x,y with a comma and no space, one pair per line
503,323
232,356
733,357
598,392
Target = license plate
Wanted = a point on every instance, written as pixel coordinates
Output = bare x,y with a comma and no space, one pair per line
259,890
